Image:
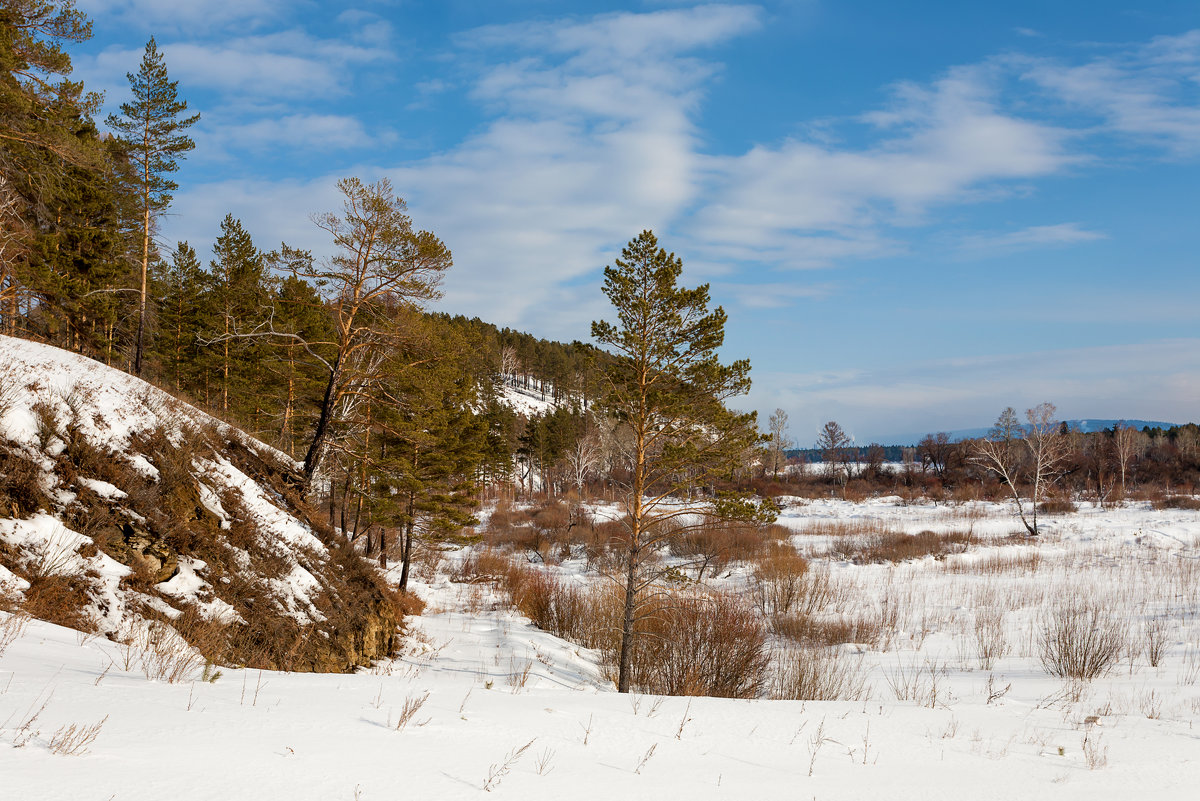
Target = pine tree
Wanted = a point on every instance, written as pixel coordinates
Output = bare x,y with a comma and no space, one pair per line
381,267
295,382
181,314
241,302
46,135
668,386
153,131
431,442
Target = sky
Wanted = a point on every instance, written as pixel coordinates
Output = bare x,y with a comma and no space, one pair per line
915,214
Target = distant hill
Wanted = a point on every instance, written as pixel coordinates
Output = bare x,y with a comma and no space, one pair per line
1086,426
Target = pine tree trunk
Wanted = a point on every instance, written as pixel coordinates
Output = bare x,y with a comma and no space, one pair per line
141,332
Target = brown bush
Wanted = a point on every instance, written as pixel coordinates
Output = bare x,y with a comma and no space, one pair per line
1080,640
490,565
1190,502
779,580
1057,506
683,645
713,544
900,547
712,645
22,491
59,599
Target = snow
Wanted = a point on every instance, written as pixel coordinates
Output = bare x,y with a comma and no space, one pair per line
101,488
496,683
526,402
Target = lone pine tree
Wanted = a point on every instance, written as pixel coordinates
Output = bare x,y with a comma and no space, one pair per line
669,387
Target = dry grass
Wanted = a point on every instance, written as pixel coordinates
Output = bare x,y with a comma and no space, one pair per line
991,642
1080,640
818,674
1023,561
11,628
900,547
73,739
1177,502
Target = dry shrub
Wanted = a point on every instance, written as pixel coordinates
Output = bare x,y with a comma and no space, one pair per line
508,526
713,544
966,493
12,626
779,580
1155,634
899,547
22,486
1080,640
165,655
573,613
606,544
711,645
1177,502
59,599
817,674
482,565
1057,506
812,631
991,642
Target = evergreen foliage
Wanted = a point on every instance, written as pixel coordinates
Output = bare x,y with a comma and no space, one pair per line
669,387
154,135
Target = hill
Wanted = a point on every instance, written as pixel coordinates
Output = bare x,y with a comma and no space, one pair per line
1086,426
130,514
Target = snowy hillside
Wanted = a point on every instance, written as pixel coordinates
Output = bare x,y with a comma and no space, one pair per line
123,510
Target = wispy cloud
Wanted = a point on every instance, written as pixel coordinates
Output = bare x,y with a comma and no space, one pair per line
1148,93
185,15
1034,237
1154,380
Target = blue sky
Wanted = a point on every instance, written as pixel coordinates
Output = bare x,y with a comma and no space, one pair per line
915,214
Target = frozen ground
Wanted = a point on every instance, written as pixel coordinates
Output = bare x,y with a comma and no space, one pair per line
496,685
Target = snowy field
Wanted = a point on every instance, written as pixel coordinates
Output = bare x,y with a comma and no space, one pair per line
485,705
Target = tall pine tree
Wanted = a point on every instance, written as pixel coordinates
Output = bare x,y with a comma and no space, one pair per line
668,386
154,134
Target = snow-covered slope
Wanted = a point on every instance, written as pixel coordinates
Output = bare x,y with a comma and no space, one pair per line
120,505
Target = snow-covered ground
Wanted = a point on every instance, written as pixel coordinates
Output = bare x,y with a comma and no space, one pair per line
535,715
482,703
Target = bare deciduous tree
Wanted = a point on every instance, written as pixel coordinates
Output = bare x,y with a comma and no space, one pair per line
1128,444
779,443
1034,453
834,442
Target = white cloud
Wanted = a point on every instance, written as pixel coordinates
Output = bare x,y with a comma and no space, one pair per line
946,143
1033,237
325,132
184,15
1146,93
286,64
